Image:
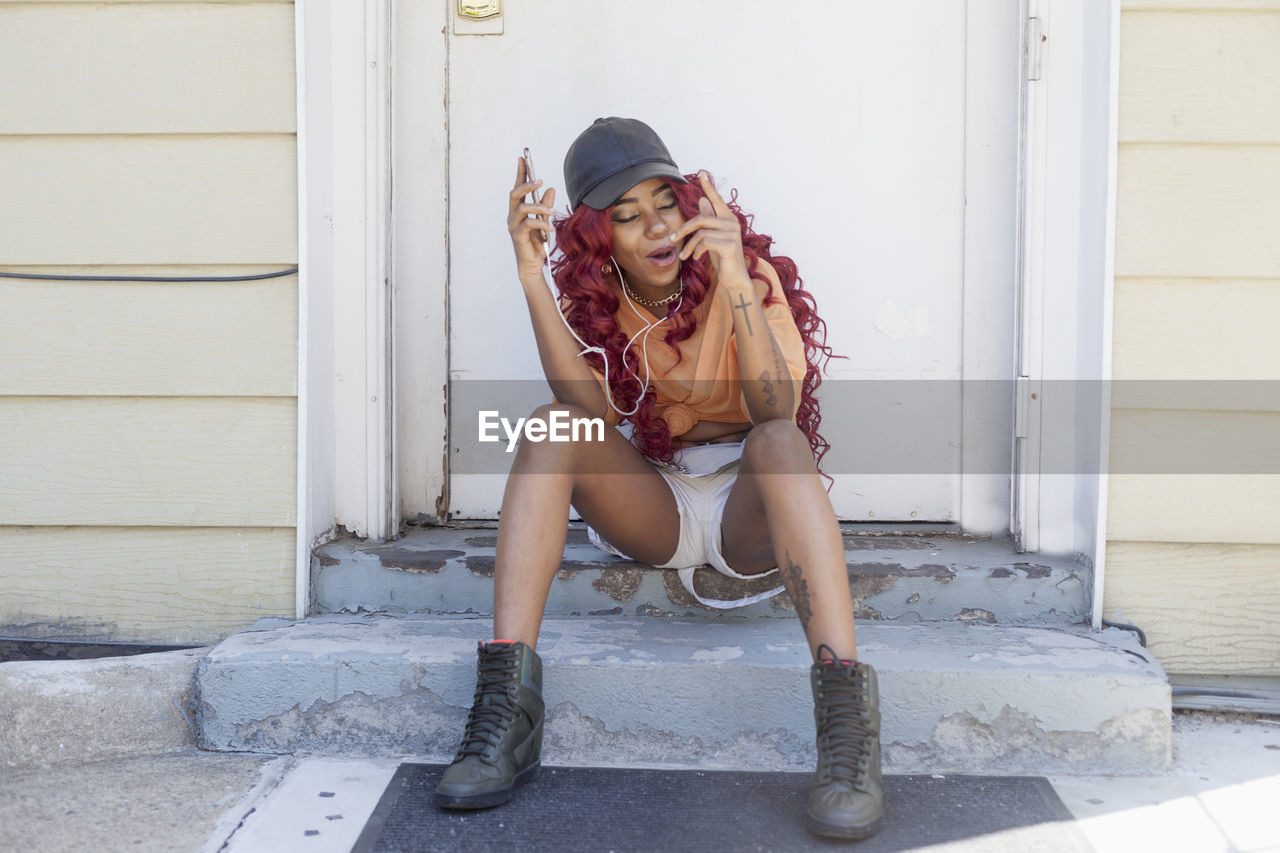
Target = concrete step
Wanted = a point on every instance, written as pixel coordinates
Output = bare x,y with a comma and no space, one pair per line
58,712
936,575
734,694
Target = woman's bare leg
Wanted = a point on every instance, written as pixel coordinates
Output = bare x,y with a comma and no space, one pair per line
610,484
778,514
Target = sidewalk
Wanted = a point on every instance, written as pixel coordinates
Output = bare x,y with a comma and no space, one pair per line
1222,794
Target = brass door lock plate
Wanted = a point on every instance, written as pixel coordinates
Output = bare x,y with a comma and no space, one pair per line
477,18
478,11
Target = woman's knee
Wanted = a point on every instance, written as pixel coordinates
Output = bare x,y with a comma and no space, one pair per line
777,447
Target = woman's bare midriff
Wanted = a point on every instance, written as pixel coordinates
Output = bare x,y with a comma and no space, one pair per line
711,432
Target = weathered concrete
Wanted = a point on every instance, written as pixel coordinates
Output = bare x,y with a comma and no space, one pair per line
907,578
152,803
67,712
677,692
320,805
1217,795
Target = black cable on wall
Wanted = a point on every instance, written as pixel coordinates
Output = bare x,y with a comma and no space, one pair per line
277,274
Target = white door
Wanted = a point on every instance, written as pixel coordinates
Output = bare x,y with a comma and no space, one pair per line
875,142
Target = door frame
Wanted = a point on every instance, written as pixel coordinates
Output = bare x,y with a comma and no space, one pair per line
352,376
347,430
1066,271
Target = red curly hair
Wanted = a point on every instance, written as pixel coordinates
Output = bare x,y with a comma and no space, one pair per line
584,243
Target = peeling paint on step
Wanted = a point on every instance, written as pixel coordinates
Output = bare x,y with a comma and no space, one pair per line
863,611
574,536
418,562
712,584
861,587
941,573
887,543
619,583
1033,571
975,614
648,609
569,569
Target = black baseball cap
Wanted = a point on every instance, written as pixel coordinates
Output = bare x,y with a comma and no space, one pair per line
611,157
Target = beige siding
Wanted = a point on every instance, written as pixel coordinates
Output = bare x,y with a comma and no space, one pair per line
1216,508
215,69
1198,211
148,199
1195,329
1194,558
1200,6
148,2
146,461
144,583
102,339
1218,615
1223,85
148,430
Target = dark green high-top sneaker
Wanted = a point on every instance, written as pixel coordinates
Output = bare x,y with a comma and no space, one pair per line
502,745
846,799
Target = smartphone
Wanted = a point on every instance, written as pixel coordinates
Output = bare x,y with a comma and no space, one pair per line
533,197
528,171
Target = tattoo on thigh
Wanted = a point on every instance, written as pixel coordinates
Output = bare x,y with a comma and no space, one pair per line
799,590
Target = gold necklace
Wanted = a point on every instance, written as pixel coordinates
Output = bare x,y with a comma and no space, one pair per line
653,303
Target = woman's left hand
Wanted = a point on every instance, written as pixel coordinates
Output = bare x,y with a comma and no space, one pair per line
714,231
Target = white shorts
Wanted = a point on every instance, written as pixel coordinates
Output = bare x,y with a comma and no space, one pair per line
700,479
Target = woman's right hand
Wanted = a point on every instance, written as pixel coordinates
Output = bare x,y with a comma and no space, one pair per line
529,224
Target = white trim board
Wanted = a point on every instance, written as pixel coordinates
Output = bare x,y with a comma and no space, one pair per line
420,163
346,304
1067,229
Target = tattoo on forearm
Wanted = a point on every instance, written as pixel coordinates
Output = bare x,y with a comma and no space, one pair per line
779,368
770,398
799,590
744,304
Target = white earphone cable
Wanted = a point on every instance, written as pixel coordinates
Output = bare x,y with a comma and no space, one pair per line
586,348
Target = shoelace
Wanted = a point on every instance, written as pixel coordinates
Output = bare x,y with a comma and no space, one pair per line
845,733
494,707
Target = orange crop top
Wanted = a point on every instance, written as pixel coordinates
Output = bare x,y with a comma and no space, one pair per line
705,385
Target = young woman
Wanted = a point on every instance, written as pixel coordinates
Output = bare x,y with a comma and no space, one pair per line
680,323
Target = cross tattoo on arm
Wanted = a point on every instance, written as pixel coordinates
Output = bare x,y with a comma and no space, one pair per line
744,304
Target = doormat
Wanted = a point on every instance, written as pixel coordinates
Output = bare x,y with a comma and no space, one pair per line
591,808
